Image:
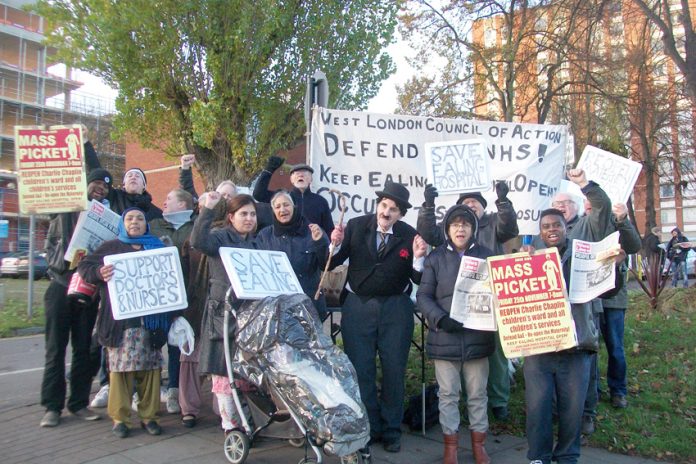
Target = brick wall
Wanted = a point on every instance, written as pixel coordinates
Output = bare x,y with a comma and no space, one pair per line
159,184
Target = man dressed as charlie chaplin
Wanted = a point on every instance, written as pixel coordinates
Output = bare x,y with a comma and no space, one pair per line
377,317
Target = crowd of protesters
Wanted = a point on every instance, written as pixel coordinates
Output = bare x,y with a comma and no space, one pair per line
386,258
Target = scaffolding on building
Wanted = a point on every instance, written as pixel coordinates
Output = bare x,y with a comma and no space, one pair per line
33,91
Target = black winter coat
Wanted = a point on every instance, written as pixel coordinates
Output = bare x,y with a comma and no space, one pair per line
61,229
212,350
369,275
110,331
120,201
434,299
312,206
306,256
494,228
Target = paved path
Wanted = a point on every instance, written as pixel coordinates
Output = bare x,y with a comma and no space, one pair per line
76,441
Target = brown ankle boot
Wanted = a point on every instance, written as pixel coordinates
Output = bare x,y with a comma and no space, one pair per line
451,445
478,440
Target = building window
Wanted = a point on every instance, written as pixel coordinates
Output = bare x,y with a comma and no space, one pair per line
689,215
667,191
668,217
489,37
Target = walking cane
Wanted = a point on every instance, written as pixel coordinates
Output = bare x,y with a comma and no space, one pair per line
343,207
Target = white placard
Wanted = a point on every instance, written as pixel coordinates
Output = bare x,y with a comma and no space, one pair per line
256,274
146,282
458,166
94,226
616,175
356,153
472,302
590,277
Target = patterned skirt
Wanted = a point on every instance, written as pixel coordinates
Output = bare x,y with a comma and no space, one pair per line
134,353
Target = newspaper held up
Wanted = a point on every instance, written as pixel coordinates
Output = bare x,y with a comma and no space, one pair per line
472,301
94,226
590,275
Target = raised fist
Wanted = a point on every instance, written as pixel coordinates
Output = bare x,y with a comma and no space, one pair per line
502,189
187,161
273,163
430,194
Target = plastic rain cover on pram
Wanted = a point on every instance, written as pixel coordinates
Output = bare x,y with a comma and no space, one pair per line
280,340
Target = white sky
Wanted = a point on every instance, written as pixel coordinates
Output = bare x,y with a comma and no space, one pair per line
385,101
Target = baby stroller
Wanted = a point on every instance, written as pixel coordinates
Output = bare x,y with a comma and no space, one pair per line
308,392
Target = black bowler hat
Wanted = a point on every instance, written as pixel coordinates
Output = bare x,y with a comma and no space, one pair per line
475,195
396,192
302,167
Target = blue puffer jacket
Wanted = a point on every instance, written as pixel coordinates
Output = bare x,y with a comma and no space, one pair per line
435,299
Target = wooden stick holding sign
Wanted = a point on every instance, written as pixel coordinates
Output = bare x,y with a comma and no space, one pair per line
166,168
186,161
343,207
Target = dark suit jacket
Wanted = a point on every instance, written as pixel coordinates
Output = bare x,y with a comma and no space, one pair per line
367,274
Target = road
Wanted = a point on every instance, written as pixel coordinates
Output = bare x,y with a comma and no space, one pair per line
21,368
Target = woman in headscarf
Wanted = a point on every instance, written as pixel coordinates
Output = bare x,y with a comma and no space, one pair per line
306,245
133,344
239,233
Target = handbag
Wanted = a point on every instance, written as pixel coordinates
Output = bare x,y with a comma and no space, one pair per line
334,282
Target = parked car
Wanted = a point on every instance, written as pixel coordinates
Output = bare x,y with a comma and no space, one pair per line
9,264
17,265
40,266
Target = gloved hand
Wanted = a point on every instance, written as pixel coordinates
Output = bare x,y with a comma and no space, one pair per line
430,194
502,189
450,325
273,163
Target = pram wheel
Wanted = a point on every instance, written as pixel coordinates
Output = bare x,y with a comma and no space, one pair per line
355,458
236,447
297,442
308,461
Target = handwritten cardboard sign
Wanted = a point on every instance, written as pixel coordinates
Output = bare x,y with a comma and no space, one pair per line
146,282
50,169
458,166
256,274
616,175
532,308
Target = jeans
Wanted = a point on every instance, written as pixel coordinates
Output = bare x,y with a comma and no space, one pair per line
567,374
173,365
612,326
379,326
65,321
103,367
592,398
679,268
449,379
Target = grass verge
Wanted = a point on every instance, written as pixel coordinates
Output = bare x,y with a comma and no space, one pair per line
660,421
13,317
